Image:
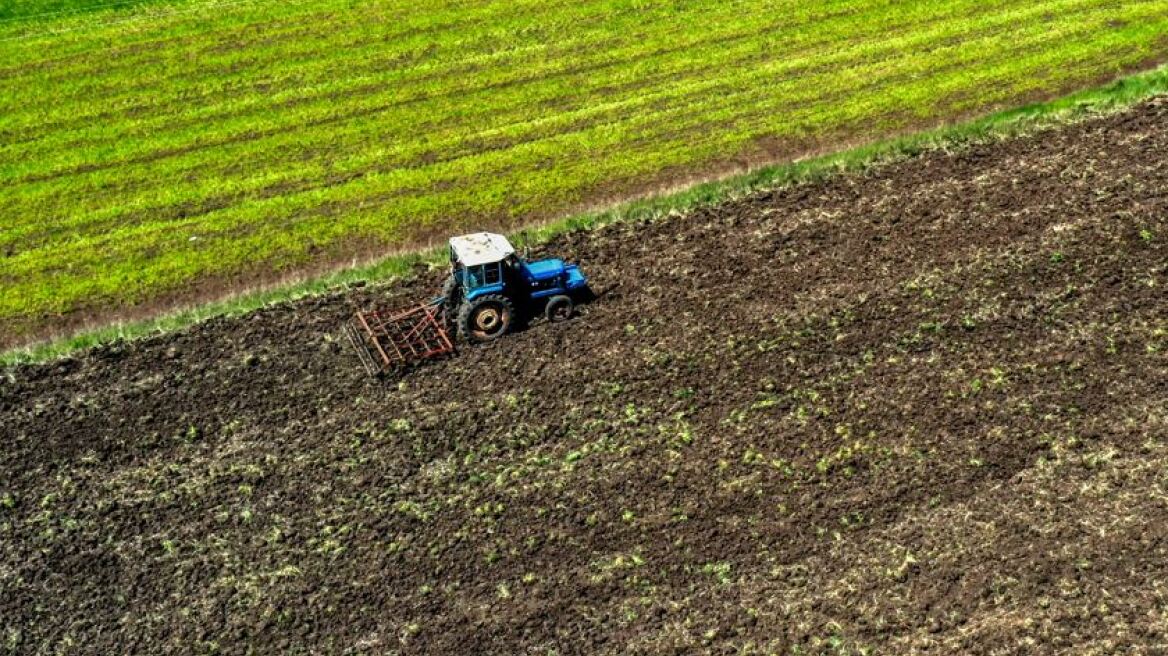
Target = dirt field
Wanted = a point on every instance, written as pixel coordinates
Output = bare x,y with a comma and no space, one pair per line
922,410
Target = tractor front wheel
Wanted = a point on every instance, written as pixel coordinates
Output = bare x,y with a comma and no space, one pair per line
559,308
485,318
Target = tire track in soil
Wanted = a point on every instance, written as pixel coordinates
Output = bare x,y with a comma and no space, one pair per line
889,410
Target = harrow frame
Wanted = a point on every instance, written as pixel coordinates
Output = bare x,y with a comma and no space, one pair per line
388,340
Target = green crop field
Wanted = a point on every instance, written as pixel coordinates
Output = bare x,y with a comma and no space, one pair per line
153,152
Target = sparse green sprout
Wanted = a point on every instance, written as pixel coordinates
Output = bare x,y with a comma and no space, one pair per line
932,327
720,570
1057,257
329,547
192,434
767,401
1146,235
998,377
785,467
612,389
489,509
628,516
853,520
680,435
413,509
7,501
1099,458
287,571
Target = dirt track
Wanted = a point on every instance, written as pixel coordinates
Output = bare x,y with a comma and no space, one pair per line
924,409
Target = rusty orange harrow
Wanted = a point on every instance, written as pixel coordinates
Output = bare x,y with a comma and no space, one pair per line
388,340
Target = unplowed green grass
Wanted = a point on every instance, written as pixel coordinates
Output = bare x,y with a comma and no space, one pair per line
165,149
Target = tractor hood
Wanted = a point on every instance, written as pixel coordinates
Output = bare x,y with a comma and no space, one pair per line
545,269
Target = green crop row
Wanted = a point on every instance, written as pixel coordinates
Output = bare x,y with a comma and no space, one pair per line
1112,97
146,149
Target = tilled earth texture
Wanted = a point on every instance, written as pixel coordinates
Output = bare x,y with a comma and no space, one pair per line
919,410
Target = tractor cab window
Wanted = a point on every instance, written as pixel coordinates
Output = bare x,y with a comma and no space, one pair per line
474,277
483,274
491,274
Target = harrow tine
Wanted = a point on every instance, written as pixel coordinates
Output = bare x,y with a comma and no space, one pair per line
361,347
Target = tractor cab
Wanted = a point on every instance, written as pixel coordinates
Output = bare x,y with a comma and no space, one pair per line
477,261
489,283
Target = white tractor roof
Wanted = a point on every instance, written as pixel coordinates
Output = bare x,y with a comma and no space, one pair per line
480,248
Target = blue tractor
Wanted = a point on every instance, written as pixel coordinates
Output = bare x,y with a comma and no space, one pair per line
489,284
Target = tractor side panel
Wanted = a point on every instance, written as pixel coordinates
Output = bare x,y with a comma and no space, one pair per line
576,279
544,293
483,291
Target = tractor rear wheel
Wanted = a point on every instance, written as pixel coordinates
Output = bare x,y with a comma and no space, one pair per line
559,308
485,318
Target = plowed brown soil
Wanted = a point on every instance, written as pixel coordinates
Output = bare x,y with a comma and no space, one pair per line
919,410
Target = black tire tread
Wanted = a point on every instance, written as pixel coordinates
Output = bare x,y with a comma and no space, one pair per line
558,299
468,308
